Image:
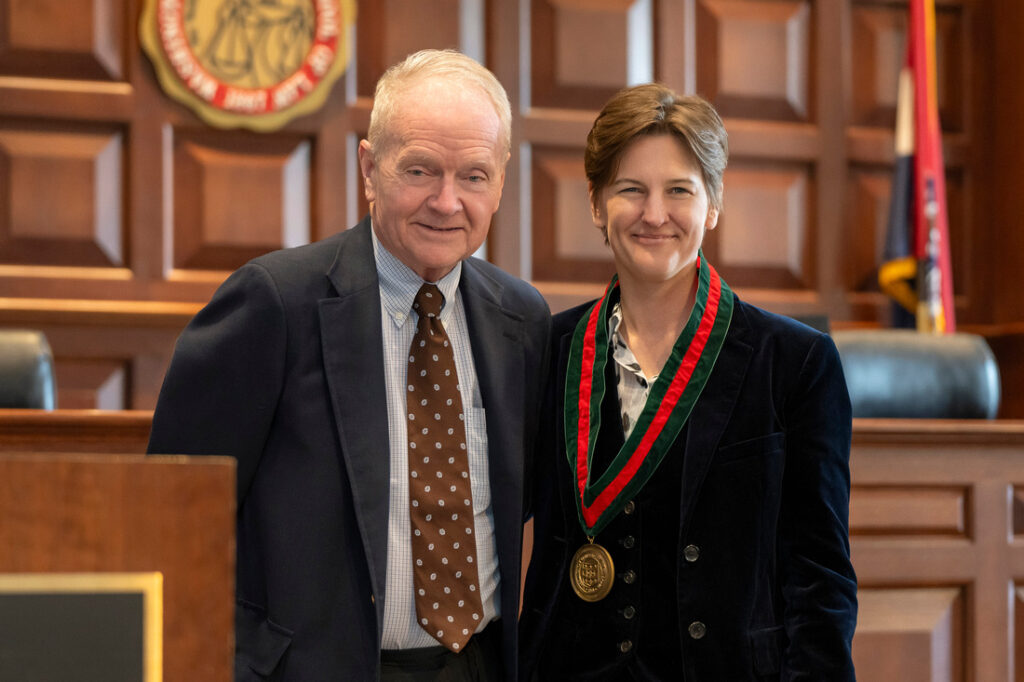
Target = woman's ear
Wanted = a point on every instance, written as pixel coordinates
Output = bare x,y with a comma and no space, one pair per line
596,210
712,220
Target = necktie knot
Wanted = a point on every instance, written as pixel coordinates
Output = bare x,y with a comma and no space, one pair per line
429,301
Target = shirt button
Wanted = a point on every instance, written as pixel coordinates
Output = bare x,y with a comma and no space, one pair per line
625,646
697,629
691,553
629,508
629,577
628,541
628,612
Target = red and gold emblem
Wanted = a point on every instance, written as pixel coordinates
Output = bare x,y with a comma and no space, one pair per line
239,63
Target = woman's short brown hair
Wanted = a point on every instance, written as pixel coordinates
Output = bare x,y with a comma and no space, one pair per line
655,109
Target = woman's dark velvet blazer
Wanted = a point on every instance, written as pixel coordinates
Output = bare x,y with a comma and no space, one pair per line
763,494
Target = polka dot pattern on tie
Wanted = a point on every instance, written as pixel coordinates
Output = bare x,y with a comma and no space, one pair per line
448,604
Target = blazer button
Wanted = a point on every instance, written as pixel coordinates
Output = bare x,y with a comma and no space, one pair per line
697,629
691,553
629,577
629,508
628,613
625,646
628,541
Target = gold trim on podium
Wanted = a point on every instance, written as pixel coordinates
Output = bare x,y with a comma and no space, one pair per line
150,585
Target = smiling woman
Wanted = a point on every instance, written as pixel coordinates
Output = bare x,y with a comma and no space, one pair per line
733,561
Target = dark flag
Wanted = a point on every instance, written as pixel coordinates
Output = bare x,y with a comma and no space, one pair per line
916,273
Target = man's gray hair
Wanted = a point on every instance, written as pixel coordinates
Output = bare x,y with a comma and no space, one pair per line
448,65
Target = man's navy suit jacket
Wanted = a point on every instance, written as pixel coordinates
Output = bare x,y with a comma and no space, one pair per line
284,370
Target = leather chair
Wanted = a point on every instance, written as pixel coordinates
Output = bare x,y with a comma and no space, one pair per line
906,374
26,370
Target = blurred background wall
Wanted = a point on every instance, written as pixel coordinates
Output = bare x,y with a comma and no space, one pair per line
121,211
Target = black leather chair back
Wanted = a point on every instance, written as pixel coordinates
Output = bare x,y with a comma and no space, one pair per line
904,373
27,377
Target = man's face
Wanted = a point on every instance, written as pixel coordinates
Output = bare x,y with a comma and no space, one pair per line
437,182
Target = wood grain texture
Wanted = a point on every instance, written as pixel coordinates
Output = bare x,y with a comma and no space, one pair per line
104,513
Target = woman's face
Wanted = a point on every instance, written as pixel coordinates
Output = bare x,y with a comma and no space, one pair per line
656,210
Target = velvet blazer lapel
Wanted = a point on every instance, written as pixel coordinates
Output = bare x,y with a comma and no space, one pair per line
353,356
713,410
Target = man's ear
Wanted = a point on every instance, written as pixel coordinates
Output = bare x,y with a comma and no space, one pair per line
367,166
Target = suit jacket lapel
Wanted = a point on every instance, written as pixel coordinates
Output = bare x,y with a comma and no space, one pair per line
496,336
350,331
711,414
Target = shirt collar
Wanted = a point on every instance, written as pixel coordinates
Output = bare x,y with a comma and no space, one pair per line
623,356
399,284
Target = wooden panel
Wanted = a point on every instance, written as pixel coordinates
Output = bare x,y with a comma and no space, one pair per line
909,511
756,58
911,635
566,244
583,51
235,200
62,193
388,30
91,384
765,235
95,513
922,586
867,220
63,38
879,52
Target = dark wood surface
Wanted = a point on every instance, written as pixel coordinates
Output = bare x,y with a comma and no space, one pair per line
101,513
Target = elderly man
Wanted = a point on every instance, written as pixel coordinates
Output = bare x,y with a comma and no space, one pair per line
377,389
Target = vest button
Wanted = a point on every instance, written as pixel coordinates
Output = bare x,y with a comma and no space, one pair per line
629,577
629,508
691,553
625,646
697,629
628,612
628,541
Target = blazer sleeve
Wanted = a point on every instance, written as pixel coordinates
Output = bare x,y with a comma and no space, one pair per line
818,581
221,389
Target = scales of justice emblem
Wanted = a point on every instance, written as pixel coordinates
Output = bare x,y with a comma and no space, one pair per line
239,63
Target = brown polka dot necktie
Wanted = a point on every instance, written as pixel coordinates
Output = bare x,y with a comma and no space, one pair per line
448,602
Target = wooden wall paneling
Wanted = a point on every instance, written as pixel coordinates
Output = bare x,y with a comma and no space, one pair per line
765,237
756,59
237,196
388,30
43,38
912,635
62,196
571,248
583,51
936,541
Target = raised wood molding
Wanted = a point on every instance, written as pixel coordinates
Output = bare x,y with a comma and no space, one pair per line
94,312
111,432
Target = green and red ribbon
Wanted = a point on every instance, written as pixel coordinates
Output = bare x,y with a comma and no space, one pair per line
668,405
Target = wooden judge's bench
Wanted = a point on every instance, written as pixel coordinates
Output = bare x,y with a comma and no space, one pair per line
936,525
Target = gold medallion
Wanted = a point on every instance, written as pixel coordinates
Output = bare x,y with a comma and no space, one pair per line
592,572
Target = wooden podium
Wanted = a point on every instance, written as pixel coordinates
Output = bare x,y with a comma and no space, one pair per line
161,527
